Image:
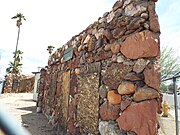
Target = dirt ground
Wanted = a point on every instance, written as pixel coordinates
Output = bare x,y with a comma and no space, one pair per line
22,109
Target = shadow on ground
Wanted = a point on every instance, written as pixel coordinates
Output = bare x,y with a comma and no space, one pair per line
36,123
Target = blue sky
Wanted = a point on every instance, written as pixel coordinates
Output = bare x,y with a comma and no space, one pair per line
54,23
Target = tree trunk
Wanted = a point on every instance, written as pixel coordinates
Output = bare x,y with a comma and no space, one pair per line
16,50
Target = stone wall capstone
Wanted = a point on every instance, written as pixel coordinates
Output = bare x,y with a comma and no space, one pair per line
105,80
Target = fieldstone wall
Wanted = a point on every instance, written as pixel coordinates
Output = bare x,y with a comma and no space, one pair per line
22,84
106,79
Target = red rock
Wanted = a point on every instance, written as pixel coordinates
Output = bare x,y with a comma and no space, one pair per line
140,45
154,24
115,74
113,98
74,63
102,55
126,88
109,112
152,76
115,48
140,118
145,93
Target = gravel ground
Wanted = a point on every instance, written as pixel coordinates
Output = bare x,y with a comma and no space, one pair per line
22,109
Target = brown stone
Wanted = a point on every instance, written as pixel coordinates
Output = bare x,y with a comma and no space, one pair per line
135,23
90,59
102,55
74,63
140,118
115,74
115,48
113,98
110,17
140,65
109,111
118,32
118,13
107,47
125,102
144,15
91,44
140,45
154,24
107,33
132,10
133,77
145,93
152,76
117,5
126,88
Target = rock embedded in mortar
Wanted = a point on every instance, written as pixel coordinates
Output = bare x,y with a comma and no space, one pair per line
140,65
103,90
115,74
140,45
144,15
145,93
135,23
146,26
117,5
109,111
118,13
132,76
152,76
115,48
118,32
109,128
120,59
107,47
126,88
113,98
154,24
110,16
125,102
140,118
134,10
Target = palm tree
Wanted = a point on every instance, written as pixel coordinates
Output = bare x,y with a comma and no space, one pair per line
19,18
15,67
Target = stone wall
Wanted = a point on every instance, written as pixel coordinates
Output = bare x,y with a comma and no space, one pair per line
23,83
105,80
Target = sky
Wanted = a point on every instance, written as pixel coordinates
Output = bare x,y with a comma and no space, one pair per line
54,22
